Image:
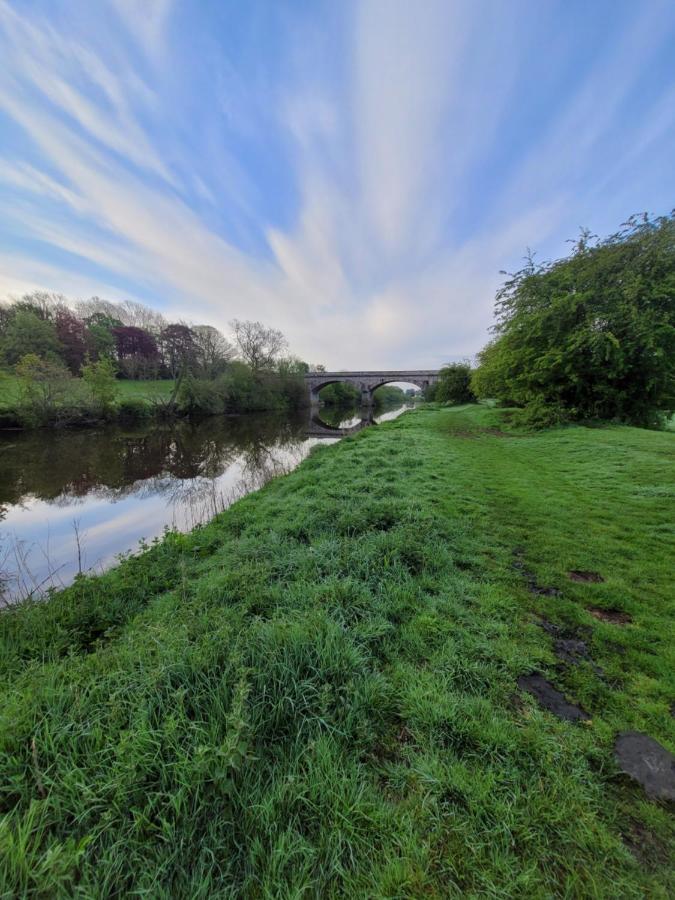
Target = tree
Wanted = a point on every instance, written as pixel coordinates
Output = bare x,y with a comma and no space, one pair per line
100,378
178,348
591,335
45,387
454,384
292,365
43,304
213,350
258,345
72,335
137,315
136,351
27,333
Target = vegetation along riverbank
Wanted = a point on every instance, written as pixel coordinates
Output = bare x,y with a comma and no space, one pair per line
339,687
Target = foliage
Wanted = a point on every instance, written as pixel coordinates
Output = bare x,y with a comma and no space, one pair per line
200,396
100,378
49,393
388,395
316,694
340,393
592,334
133,409
454,384
139,344
213,351
27,333
178,349
137,351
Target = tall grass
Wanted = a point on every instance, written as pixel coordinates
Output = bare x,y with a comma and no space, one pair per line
315,694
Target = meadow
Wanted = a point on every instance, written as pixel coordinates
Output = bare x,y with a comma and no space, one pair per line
10,389
320,692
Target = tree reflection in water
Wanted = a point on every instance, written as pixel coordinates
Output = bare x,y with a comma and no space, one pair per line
122,485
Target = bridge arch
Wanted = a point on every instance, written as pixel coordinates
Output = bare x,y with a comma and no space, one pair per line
368,381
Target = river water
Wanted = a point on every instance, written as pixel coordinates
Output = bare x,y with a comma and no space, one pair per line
74,500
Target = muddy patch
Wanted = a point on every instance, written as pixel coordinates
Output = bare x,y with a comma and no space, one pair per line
647,762
585,577
568,645
531,579
645,846
613,616
571,651
550,698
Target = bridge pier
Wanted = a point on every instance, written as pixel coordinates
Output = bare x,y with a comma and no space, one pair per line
366,396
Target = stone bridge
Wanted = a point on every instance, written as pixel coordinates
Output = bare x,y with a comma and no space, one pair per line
367,382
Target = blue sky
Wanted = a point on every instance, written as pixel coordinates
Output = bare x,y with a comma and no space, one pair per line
354,173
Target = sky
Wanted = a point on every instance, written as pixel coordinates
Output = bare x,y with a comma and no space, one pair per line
354,172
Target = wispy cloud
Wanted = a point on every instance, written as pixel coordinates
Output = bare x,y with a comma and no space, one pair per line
355,174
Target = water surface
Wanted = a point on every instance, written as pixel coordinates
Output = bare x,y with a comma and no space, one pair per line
74,500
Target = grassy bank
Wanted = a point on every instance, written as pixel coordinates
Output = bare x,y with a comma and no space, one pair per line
316,694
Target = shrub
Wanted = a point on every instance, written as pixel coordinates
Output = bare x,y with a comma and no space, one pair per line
49,393
454,385
132,409
100,379
199,395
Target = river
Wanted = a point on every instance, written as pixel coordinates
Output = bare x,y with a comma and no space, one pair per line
75,500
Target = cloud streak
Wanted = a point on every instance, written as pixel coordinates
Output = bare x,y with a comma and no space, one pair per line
357,177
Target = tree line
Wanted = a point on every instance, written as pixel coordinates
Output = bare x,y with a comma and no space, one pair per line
138,340
71,357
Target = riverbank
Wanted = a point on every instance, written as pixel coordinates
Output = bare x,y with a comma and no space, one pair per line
318,693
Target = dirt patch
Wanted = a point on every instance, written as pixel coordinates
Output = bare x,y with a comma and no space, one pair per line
550,698
568,645
549,627
613,616
647,762
585,577
644,845
571,651
532,584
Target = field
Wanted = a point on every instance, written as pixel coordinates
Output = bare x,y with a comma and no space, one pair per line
318,693
10,389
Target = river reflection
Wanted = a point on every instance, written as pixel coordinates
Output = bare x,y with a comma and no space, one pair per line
107,489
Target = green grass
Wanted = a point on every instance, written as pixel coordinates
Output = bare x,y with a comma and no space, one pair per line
144,390
315,695
10,389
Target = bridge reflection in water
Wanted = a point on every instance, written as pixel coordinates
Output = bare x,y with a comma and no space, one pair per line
328,422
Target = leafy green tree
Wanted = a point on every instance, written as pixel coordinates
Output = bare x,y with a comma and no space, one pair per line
340,393
101,341
99,376
454,384
591,335
45,388
26,333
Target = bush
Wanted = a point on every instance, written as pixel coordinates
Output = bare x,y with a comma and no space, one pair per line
100,379
50,395
538,414
200,396
454,384
132,409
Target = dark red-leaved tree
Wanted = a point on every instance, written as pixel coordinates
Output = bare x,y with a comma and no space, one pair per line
136,351
72,335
